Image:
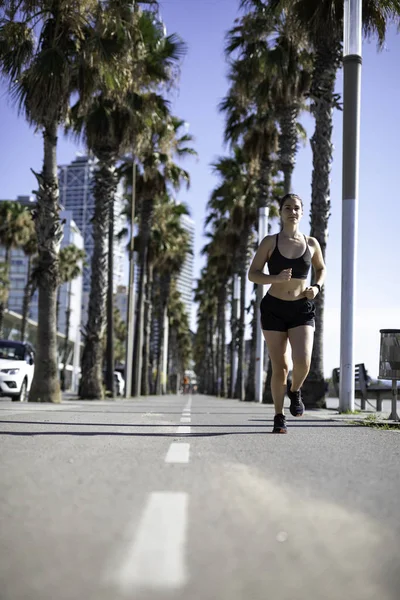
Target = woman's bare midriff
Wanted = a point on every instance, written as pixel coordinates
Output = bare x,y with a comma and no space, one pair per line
290,290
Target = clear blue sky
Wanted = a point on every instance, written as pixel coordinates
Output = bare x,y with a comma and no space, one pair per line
202,24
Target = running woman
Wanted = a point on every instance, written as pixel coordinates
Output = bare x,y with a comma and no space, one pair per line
288,308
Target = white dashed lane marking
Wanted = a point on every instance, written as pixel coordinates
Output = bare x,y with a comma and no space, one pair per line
183,430
178,452
156,556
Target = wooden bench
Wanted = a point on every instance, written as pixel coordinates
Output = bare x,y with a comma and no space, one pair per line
364,390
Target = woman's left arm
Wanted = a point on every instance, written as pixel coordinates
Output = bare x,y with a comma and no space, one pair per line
319,268
318,262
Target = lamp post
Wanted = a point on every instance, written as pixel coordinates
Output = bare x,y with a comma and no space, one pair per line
351,136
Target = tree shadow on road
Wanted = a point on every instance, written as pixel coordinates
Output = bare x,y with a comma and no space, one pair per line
177,435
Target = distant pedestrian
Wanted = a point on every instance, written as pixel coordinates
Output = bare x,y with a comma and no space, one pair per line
288,309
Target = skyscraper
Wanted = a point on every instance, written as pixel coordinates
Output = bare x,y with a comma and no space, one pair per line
76,182
185,278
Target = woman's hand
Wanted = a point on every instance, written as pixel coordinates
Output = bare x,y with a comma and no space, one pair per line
310,292
285,275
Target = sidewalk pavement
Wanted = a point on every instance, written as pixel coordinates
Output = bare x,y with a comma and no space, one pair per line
369,415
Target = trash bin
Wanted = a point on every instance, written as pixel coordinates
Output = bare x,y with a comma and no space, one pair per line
389,363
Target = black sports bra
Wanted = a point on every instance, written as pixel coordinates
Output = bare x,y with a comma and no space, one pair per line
300,266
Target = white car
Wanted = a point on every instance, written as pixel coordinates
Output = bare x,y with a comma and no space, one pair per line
17,366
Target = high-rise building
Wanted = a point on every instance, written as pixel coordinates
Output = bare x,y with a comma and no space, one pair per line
76,183
185,278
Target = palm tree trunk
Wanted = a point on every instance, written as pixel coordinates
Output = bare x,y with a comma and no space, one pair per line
251,375
58,305
145,229
223,341
240,391
212,356
244,247
159,357
233,342
5,287
264,182
110,306
160,349
210,375
328,57
218,352
1,319
45,385
233,348
65,349
148,317
164,293
8,270
92,356
173,368
27,297
154,335
288,142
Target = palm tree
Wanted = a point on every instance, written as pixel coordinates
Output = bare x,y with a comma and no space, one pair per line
180,345
4,284
252,122
107,130
15,229
322,22
111,125
274,68
120,336
237,194
48,51
158,173
71,259
169,247
221,263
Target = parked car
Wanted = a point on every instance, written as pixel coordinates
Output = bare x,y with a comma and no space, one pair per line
17,366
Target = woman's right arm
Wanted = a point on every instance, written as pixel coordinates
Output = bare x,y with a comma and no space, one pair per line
256,274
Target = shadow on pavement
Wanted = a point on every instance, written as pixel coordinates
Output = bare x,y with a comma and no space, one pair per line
10,422
167,435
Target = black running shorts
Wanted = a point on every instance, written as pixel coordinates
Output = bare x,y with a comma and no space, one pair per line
281,315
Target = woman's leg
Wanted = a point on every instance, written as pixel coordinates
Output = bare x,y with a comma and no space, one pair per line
301,340
277,350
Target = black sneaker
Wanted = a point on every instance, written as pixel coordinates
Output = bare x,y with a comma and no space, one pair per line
279,424
296,404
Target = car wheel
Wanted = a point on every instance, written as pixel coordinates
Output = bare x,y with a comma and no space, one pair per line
23,394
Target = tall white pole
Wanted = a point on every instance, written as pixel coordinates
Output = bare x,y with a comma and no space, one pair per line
164,371
351,138
260,343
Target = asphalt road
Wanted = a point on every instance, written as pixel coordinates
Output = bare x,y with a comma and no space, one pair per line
192,498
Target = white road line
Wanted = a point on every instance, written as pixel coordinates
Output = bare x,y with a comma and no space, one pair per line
185,419
178,452
155,558
183,429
